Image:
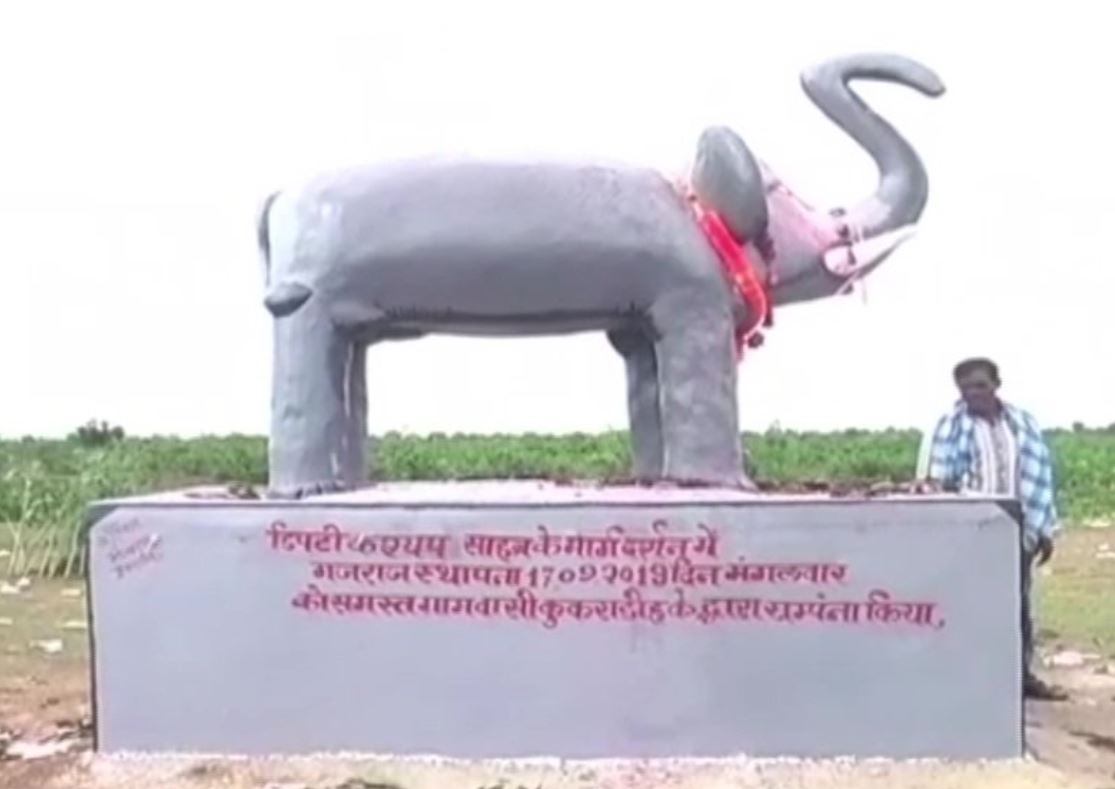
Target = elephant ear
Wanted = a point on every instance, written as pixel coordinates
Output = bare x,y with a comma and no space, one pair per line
726,178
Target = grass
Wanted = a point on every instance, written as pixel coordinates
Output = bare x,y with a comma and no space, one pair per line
46,484
36,685
1074,602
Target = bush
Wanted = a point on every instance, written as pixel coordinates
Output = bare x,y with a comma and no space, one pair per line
92,434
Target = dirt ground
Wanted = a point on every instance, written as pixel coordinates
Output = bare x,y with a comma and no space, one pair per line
45,716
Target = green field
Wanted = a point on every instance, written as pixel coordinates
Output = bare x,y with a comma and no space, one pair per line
44,484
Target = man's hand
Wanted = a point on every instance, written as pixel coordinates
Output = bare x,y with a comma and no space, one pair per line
1044,550
930,485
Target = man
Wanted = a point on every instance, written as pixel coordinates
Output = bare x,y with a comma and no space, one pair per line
986,445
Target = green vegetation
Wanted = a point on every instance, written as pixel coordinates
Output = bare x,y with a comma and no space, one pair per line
45,484
1075,591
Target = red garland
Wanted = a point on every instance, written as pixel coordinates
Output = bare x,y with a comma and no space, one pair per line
738,267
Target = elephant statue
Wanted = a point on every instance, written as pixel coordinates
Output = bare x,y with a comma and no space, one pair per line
500,248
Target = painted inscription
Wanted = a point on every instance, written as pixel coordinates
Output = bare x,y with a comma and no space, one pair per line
656,574
128,548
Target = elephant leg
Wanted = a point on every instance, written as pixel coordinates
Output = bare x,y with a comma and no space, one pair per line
356,406
311,426
643,412
697,388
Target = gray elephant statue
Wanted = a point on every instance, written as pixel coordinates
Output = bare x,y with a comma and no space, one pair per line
501,248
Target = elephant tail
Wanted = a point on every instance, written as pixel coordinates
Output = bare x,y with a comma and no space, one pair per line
285,297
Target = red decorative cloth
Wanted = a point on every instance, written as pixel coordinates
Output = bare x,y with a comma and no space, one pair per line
740,271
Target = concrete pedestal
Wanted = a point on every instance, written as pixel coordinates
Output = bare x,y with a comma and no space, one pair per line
530,619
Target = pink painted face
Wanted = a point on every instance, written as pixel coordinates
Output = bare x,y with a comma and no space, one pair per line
817,253
814,229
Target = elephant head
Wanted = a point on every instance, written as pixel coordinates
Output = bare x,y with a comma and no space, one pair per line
806,253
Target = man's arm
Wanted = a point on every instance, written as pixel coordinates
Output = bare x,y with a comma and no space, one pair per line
935,457
1037,469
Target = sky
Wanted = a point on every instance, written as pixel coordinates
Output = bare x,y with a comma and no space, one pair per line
138,138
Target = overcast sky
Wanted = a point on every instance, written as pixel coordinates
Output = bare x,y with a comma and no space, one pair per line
138,138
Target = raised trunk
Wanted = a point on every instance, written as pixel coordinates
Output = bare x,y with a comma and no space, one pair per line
903,185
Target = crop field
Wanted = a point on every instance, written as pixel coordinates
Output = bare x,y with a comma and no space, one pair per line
45,484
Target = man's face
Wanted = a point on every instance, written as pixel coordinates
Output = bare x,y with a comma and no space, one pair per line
979,390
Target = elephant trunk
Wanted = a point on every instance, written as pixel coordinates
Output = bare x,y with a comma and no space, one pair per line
903,184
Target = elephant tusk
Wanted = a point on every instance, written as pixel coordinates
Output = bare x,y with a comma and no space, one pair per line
859,257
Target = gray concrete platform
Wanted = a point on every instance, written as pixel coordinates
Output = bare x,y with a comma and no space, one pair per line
527,619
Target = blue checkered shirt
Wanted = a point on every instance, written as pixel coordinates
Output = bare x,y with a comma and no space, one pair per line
953,458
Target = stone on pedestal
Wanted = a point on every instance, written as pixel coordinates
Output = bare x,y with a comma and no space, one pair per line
524,619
